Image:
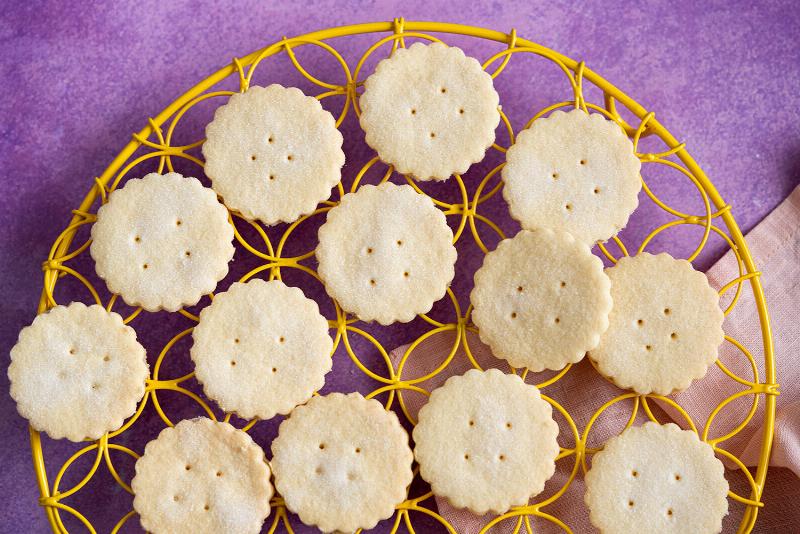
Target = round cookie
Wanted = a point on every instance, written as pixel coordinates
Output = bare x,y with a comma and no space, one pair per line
486,441
162,242
386,253
273,153
665,328
541,300
430,111
261,348
77,372
342,462
202,476
575,171
656,479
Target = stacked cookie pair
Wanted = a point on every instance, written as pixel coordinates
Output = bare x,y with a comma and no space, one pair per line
486,441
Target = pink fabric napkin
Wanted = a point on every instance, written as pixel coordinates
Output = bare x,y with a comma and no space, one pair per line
775,246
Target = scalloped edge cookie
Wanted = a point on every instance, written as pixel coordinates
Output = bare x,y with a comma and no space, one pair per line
77,372
486,441
575,171
430,111
656,478
665,329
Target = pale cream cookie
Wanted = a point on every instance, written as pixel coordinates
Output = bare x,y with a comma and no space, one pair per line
77,372
162,242
430,111
486,441
202,476
342,462
574,171
273,153
261,348
386,253
665,328
656,479
541,300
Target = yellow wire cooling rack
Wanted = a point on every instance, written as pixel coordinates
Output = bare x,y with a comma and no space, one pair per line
154,144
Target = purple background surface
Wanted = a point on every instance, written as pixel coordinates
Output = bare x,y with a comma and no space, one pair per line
78,80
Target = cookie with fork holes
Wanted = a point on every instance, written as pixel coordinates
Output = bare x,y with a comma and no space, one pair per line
342,462
430,111
386,253
574,171
665,328
541,300
162,242
656,479
202,476
77,372
486,441
273,153
261,348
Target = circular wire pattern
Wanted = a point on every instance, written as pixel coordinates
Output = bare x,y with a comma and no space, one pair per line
155,141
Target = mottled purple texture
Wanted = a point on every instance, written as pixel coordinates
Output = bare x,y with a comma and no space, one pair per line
78,79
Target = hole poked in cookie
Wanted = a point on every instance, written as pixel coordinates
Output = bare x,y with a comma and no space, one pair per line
272,177
137,239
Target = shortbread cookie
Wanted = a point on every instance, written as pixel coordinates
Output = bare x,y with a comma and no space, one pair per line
486,441
162,242
656,479
273,153
77,372
202,476
342,462
386,253
574,171
261,348
665,327
541,300
430,111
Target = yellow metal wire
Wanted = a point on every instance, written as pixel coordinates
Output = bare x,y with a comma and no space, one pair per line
390,378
